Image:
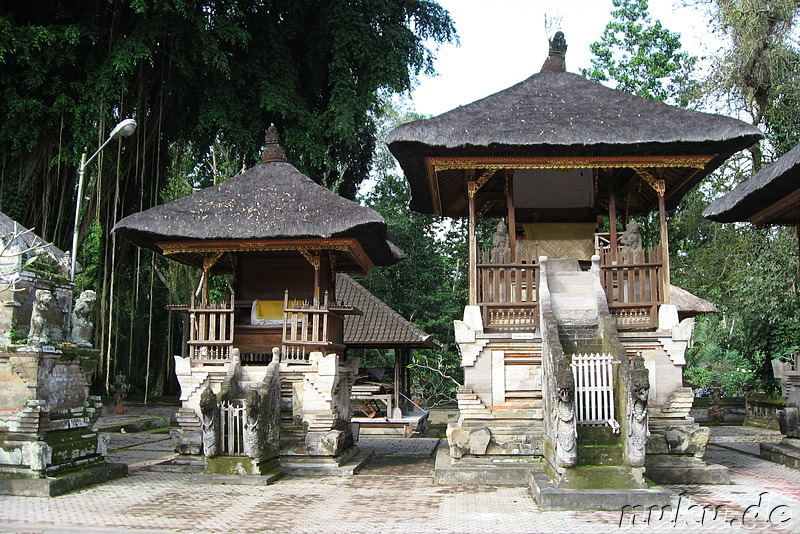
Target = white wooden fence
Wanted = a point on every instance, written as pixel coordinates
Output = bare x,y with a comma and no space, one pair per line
594,388
231,418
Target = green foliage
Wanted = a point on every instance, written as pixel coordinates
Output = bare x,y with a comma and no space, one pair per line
642,57
90,256
203,80
429,288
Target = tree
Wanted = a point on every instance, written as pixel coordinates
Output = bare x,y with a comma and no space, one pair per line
759,70
642,57
194,74
429,287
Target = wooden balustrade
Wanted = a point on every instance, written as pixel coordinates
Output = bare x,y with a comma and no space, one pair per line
508,291
306,329
634,285
211,331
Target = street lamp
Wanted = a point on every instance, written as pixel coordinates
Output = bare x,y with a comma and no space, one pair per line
123,129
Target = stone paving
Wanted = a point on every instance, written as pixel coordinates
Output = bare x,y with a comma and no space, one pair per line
395,493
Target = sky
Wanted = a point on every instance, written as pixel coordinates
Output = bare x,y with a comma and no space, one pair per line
503,42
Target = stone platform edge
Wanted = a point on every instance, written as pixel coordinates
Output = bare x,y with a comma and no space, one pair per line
54,486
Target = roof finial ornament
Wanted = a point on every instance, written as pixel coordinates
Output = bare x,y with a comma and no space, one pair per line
272,149
558,49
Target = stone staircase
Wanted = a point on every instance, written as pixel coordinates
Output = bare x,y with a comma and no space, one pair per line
601,478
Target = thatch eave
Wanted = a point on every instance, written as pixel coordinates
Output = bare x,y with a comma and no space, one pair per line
269,201
559,114
772,185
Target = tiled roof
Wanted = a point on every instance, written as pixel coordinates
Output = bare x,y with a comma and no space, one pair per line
379,325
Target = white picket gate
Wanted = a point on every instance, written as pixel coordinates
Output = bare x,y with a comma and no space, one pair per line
594,388
231,418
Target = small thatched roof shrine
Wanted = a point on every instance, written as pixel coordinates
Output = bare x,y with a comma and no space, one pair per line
771,196
689,304
269,207
10,228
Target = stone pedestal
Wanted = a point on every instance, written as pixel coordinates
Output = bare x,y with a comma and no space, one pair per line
47,418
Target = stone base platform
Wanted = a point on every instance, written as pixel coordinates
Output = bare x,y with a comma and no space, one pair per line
549,497
484,471
242,480
53,486
181,464
675,469
787,452
348,463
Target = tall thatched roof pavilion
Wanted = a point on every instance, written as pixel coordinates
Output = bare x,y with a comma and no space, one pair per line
558,148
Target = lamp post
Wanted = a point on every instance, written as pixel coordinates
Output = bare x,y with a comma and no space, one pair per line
123,129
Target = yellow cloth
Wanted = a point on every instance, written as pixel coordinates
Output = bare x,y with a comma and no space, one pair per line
268,309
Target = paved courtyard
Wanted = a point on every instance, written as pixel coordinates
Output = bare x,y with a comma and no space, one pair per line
395,493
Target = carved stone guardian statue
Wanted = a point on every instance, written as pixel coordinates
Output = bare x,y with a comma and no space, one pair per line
209,409
82,326
638,394
253,432
565,427
37,334
631,242
501,244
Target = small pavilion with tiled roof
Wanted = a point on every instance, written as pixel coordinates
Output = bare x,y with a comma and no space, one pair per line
381,327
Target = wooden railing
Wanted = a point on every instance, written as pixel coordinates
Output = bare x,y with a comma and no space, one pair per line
634,286
305,329
211,331
508,292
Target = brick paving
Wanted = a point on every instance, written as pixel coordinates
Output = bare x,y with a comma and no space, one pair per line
395,494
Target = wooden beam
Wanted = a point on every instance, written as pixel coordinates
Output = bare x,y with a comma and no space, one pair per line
662,220
436,164
472,242
512,220
612,215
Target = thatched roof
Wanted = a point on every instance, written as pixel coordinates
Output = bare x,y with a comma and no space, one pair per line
689,304
769,197
379,325
9,227
559,114
272,200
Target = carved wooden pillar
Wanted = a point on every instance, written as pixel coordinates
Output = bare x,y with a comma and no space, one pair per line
512,221
472,277
398,381
612,216
662,220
